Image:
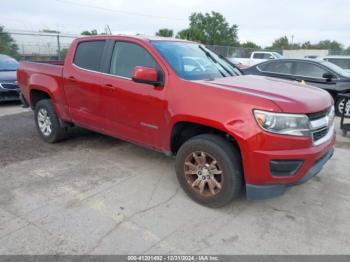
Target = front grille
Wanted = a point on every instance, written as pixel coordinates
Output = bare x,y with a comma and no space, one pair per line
318,134
9,86
9,94
317,115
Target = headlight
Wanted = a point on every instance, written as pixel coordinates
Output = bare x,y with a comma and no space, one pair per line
286,124
331,116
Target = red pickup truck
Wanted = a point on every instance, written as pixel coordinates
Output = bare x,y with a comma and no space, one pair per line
229,131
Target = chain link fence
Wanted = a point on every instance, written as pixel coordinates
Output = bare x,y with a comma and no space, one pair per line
53,46
42,45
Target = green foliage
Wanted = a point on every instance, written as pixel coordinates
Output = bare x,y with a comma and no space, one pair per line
210,29
283,43
332,45
63,53
92,32
165,32
280,43
250,45
8,45
325,44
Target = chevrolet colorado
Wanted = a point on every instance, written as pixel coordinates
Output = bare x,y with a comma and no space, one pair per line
229,132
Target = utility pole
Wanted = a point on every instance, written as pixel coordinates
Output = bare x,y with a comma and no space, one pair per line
108,30
58,46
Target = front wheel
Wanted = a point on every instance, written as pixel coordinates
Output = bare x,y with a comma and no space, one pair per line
209,170
47,122
340,106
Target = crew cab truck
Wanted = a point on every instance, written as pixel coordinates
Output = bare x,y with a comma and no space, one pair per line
257,57
228,131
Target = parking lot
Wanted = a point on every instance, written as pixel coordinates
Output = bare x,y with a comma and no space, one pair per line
92,194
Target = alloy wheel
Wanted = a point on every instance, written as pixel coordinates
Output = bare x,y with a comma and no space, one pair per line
341,107
203,173
44,122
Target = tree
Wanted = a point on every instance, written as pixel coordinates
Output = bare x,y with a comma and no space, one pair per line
165,32
8,45
250,45
63,53
280,43
92,32
330,45
307,45
210,29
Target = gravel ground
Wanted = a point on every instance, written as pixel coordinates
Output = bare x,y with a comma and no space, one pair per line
92,194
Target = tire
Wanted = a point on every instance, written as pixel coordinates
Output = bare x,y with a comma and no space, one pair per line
55,132
228,163
339,106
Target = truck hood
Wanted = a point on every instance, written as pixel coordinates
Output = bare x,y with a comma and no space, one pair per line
289,96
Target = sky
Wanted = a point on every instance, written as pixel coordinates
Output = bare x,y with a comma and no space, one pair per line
258,21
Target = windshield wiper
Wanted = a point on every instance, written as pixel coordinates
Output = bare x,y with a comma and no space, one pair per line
208,54
229,62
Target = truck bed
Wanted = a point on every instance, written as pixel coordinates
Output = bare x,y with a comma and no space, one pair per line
46,76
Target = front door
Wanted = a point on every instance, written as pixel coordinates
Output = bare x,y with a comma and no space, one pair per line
312,74
133,111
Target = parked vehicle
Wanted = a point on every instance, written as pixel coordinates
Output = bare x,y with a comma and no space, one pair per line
341,61
227,130
318,73
9,90
237,63
258,57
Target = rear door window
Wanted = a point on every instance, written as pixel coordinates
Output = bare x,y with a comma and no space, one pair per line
277,67
88,55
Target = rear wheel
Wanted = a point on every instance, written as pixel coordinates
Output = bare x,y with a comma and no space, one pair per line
47,122
340,106
208,168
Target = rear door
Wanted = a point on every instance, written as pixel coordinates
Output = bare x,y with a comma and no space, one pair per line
133,111
82,84
279,69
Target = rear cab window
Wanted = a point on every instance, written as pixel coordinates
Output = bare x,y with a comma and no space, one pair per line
258,56
88,55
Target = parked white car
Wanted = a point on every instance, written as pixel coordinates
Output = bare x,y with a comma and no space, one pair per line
341,61
259,57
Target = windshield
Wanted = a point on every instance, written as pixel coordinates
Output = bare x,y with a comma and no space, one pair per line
8,64
277,55
337,69
193,61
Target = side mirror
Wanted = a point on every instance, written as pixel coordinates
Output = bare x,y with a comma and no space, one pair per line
145,75
328,76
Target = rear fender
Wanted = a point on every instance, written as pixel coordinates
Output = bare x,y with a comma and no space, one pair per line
51,87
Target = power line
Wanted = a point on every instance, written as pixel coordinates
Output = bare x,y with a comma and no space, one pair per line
119,11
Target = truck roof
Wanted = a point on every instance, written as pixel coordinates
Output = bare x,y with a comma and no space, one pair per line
138,37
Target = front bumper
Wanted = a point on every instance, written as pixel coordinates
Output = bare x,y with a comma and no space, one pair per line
261,192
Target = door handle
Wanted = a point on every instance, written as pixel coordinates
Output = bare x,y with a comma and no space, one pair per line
109,86
72,78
